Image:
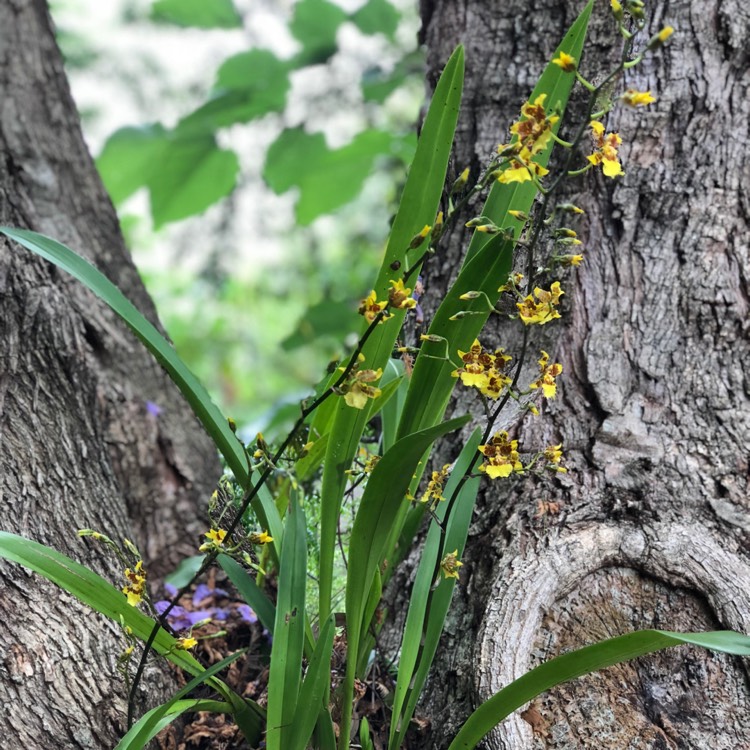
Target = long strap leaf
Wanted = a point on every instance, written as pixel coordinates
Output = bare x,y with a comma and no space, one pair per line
176,709
204,408
314,689
417,646
289,631
206,411
93,590
148,725
251,593
581,662
381,503
101,596
418,206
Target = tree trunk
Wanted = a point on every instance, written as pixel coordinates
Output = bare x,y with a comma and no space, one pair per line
650,527
80,446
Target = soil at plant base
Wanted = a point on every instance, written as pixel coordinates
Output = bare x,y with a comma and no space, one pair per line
234,627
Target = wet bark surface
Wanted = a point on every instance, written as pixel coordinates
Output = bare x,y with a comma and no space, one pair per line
79,446
650,527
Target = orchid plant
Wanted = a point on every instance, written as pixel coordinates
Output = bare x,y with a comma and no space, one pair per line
334,454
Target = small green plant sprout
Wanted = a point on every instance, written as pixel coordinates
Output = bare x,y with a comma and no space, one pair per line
310,528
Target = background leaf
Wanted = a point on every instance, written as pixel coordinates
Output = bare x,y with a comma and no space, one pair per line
378,84
128,158
204,14
327,178
377,17
315,24
327,318
193,173
248,85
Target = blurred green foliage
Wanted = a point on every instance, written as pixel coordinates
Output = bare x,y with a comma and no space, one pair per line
260,333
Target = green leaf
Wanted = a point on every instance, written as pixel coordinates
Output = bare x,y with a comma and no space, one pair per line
326,737
364,735
315,24
314,689
583,661
193,174
556,84
151,723
101,596
378,84
93,590
421,636
176,709
366,638
431,382
207,412
248,717
184,572
389,385
249,85
128,158
314,458
326,318
377,17
327,178
244,582
486,266
200,402
391,410
203,14
322,417
289,631
382,502
418,206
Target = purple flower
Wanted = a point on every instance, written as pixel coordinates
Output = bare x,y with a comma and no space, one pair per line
170,590
418,291
204,592
247,614
179,618
153,409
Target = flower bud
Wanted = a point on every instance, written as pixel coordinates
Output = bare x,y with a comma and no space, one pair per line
488,228
661,38
460,182
520,215
418,239
570,208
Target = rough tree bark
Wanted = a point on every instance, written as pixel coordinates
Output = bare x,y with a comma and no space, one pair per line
79,446
653,408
